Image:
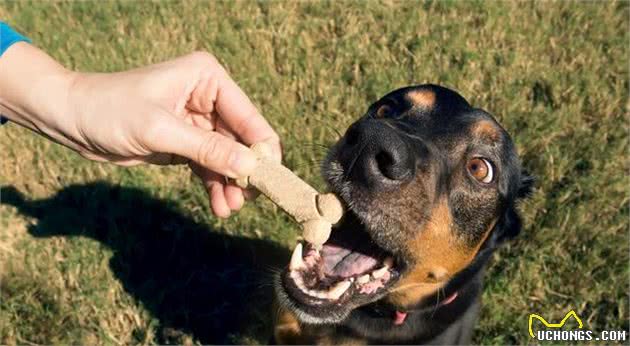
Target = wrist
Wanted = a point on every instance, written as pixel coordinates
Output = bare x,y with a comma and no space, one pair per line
34,92
52,109
51,100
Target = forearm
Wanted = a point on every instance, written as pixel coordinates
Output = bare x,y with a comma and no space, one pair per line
34,92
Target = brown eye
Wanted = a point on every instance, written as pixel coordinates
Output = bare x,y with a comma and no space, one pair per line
481,169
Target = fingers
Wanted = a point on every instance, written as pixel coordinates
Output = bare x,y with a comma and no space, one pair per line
251,193
240,114
217,92
218,202
221,116
234,196
223,198
205,92
242,117
209,149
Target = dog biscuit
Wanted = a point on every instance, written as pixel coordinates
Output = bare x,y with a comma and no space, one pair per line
314,211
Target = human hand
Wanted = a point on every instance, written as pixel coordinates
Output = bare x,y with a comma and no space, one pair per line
187,110
184,110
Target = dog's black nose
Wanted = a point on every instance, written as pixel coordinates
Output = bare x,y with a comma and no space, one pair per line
375,153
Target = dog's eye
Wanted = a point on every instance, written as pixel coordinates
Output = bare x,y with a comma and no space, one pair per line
481,169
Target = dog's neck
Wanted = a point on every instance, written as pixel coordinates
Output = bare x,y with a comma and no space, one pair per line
450,302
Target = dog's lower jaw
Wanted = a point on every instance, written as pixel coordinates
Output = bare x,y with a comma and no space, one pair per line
303,316
332,316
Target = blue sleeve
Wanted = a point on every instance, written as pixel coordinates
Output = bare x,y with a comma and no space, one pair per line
9,37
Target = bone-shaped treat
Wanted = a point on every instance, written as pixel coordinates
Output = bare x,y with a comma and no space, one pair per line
314,211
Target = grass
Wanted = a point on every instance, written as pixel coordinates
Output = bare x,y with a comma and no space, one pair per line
97,254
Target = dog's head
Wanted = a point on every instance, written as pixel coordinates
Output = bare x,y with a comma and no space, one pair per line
428,180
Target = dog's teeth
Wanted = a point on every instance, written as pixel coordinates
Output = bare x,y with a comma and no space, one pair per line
318,294
389,262
296,259
339,289
378,273
363,279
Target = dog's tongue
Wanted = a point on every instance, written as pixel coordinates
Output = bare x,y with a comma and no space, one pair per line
342,262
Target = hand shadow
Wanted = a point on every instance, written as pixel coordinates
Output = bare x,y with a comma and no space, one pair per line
193,279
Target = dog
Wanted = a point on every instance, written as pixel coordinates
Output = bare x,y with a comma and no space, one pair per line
431,186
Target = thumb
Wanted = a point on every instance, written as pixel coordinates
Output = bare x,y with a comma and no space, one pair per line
207,148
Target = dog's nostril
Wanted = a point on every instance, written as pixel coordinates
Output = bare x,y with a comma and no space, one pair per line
374,154
392,164
385,163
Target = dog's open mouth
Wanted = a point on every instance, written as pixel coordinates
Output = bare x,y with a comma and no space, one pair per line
349,269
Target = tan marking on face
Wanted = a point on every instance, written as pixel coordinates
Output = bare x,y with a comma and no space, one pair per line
486,129
422,98
383,111
440,254
287,330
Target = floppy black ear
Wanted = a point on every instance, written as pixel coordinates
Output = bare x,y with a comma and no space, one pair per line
510,224
526,185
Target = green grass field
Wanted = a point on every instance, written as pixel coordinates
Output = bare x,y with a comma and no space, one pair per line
96,254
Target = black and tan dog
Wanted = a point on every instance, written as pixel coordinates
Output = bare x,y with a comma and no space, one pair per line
431,185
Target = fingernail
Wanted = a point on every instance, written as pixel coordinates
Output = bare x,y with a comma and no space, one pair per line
242,162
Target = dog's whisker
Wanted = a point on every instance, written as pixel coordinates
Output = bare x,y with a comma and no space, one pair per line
437,300
313,145
272,269
318,148
328,125
310,163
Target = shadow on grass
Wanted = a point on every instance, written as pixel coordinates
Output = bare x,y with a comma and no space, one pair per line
193,279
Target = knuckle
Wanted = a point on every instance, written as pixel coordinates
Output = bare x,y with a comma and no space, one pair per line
211,152
204,58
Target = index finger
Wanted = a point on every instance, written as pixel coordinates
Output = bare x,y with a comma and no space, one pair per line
242,117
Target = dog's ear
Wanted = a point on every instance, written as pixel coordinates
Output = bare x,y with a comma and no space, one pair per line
508,226
510,223
526,185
